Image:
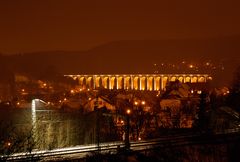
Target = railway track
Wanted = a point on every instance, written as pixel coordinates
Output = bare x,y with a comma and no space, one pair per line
112,147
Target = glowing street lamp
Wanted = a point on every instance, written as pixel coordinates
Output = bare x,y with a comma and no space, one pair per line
191,66
128,111
135,103
122,122
127,143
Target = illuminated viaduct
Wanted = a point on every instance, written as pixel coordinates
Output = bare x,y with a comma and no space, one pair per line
151,82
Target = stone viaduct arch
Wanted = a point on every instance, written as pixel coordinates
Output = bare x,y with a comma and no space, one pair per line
150,82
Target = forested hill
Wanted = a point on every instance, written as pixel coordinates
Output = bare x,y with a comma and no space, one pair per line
131,56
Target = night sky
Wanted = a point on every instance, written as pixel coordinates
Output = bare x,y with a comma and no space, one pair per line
70,25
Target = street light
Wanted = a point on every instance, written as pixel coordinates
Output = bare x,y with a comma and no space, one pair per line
127,143
136,103
128,111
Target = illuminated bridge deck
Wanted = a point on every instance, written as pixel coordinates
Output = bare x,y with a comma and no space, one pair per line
151,82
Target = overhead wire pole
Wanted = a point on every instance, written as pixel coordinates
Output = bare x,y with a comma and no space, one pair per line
97,125
127,143
98,130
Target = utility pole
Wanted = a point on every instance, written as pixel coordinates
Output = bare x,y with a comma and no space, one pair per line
127,143
97,124
202,111
98,129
